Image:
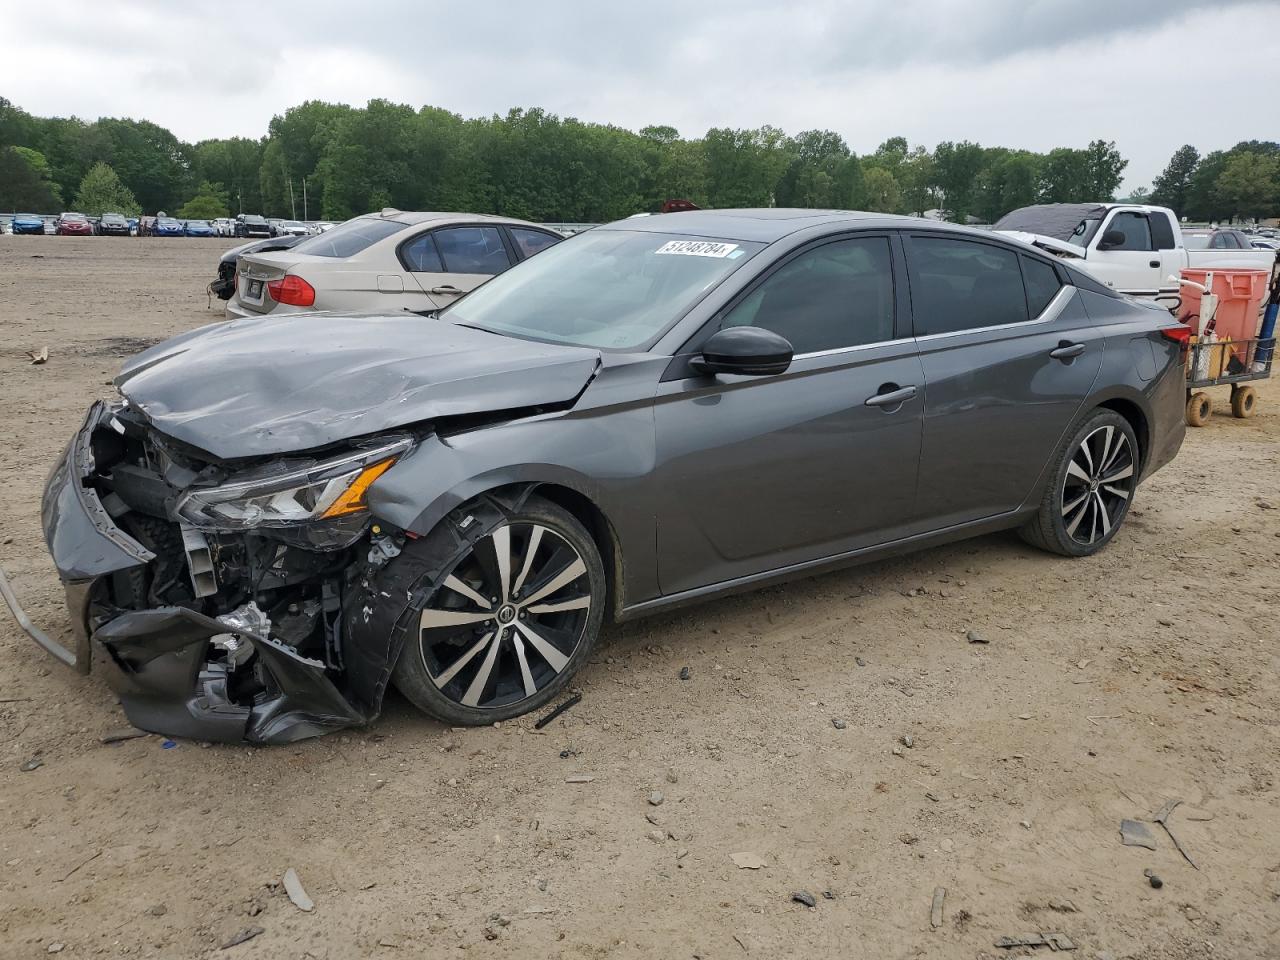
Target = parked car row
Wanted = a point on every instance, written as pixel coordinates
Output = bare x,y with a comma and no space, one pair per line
160,225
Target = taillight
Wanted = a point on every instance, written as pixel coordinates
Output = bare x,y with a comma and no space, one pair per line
292,290
1179,333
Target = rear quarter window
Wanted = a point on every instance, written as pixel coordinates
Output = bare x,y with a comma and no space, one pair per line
1042,284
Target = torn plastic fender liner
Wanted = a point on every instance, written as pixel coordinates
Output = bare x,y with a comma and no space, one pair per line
167,685
377,622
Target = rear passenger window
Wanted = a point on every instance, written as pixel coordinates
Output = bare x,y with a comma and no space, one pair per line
472,250
530,242
1162,232
962,285
839,294
1042,284
420,255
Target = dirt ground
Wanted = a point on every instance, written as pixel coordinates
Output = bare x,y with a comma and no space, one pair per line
999,772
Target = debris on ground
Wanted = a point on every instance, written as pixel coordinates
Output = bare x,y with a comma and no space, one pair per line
656,798
1054,941
838,723
579,778
1162,817
935,912
748,861
803,896
39,356
1134,833
241,936
975,637
557,711
124,733
35,763
297,893
1155,881
684,673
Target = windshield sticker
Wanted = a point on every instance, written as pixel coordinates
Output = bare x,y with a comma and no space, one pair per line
697,248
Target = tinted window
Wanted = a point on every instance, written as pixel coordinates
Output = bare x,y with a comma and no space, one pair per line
1042,284
531,241
837,295
961,285
350,238
420,255
1161,231
1195,241
472,250
1136,230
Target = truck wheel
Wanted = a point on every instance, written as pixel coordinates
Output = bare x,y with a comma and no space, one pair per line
1244,402
1199,406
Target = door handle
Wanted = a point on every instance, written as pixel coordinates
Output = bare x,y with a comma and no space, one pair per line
891,395
1153,263
447,289
1067,351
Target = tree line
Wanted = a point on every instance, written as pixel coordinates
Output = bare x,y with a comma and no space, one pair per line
535,165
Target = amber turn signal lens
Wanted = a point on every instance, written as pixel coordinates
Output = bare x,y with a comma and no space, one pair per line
352,499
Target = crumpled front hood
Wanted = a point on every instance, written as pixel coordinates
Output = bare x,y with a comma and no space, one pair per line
269,385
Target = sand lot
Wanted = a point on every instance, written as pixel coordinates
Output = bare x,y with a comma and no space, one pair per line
1109,686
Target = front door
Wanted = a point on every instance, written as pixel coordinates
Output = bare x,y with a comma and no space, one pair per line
759,473
1009,355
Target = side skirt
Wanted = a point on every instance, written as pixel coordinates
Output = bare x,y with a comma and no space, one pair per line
810,568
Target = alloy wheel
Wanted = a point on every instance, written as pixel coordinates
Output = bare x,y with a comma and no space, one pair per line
507,619
1100,479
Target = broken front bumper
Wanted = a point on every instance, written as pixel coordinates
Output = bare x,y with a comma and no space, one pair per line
158,660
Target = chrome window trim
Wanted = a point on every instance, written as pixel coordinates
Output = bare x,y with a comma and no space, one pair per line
1047,315
859,346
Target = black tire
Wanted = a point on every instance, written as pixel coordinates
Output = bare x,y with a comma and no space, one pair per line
439,668
1083,507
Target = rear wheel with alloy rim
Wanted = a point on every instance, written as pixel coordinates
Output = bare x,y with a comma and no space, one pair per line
1091,490
510,623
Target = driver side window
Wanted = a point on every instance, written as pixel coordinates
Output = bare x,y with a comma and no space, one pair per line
1136,230
839,294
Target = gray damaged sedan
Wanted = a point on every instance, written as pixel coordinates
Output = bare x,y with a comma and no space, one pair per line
282,516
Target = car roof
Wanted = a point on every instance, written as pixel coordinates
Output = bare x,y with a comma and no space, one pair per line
413,218
767,224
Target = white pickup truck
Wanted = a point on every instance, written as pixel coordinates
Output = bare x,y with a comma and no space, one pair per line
1132,248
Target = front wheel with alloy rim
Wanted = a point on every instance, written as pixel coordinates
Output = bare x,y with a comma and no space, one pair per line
1091,489
510,623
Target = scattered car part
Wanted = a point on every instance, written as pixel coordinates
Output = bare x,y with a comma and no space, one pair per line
557,711
1054,941
1134,833
1161,817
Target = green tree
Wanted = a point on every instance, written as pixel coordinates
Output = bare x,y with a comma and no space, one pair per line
955,171
1249,185
102,192
916,177
1139,195
883,193
1007,182
209,203
25,186
1104,169
1172,188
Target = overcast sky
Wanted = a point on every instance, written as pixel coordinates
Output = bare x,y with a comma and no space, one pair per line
1149,74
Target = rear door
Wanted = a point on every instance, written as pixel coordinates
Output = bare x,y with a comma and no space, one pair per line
759,473
1009,355
450,261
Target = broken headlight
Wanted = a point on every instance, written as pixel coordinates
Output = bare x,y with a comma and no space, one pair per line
324,490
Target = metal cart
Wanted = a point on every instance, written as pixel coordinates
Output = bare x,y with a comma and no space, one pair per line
1226,362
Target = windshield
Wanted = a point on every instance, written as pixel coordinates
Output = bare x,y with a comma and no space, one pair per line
604,288
1195,241
1084,232
166,222
350,238
251,218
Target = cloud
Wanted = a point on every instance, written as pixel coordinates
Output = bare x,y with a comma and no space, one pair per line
1020,73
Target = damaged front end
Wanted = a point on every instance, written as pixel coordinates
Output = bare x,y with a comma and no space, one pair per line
213,594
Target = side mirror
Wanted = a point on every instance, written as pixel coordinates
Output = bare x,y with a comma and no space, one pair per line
748,351
1110,239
